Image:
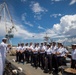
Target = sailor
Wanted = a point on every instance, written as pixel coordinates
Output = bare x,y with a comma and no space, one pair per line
73,59
57,57
31,47
18,53
22,49
35,55
54,48
63,55
3,48
54,57
42,56
48,60
59,53
26,51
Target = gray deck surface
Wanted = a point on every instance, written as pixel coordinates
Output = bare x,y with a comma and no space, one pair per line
27,68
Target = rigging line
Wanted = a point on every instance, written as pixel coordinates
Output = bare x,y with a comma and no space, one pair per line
10,17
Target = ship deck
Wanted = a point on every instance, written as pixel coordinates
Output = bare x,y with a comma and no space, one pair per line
27,68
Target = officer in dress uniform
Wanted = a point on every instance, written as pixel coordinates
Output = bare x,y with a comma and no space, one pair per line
22,49
18,53
35,55
48,60
73,59
3,48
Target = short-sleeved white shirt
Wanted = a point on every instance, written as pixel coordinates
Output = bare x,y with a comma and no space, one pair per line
48,51
59,50
22,48
74,54
18,48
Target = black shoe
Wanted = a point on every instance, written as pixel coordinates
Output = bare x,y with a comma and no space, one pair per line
46,71
42,68
35,67
50,72
16,60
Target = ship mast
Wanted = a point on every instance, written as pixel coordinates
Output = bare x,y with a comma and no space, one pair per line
46,38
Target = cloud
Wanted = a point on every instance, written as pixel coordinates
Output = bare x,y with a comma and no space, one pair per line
28,23
56,15
66,27
39,27
23,0
65,30
56,0
25,21
2,29
38,10
21,32
72,2
38,17
66,41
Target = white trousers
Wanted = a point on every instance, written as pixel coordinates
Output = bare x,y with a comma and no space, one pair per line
1,66
3,60
2,63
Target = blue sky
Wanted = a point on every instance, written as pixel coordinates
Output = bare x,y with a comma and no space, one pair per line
35,18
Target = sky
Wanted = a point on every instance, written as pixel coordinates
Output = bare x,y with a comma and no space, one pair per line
33,19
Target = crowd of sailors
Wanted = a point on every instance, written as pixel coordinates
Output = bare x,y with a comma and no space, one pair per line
46,56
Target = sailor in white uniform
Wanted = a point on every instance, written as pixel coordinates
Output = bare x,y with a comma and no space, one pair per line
22,49
48,60
73,59
26,52
3,48
42,56
18,52
30,54
54,57
35,55
58,56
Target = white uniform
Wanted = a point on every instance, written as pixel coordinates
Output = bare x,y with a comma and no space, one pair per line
42,49
22,48
3,48
31,48
64,51
36,50
18,48
54,49
48,51
26,47
59,50
74,54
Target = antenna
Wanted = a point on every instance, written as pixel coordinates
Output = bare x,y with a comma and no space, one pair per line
46,38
